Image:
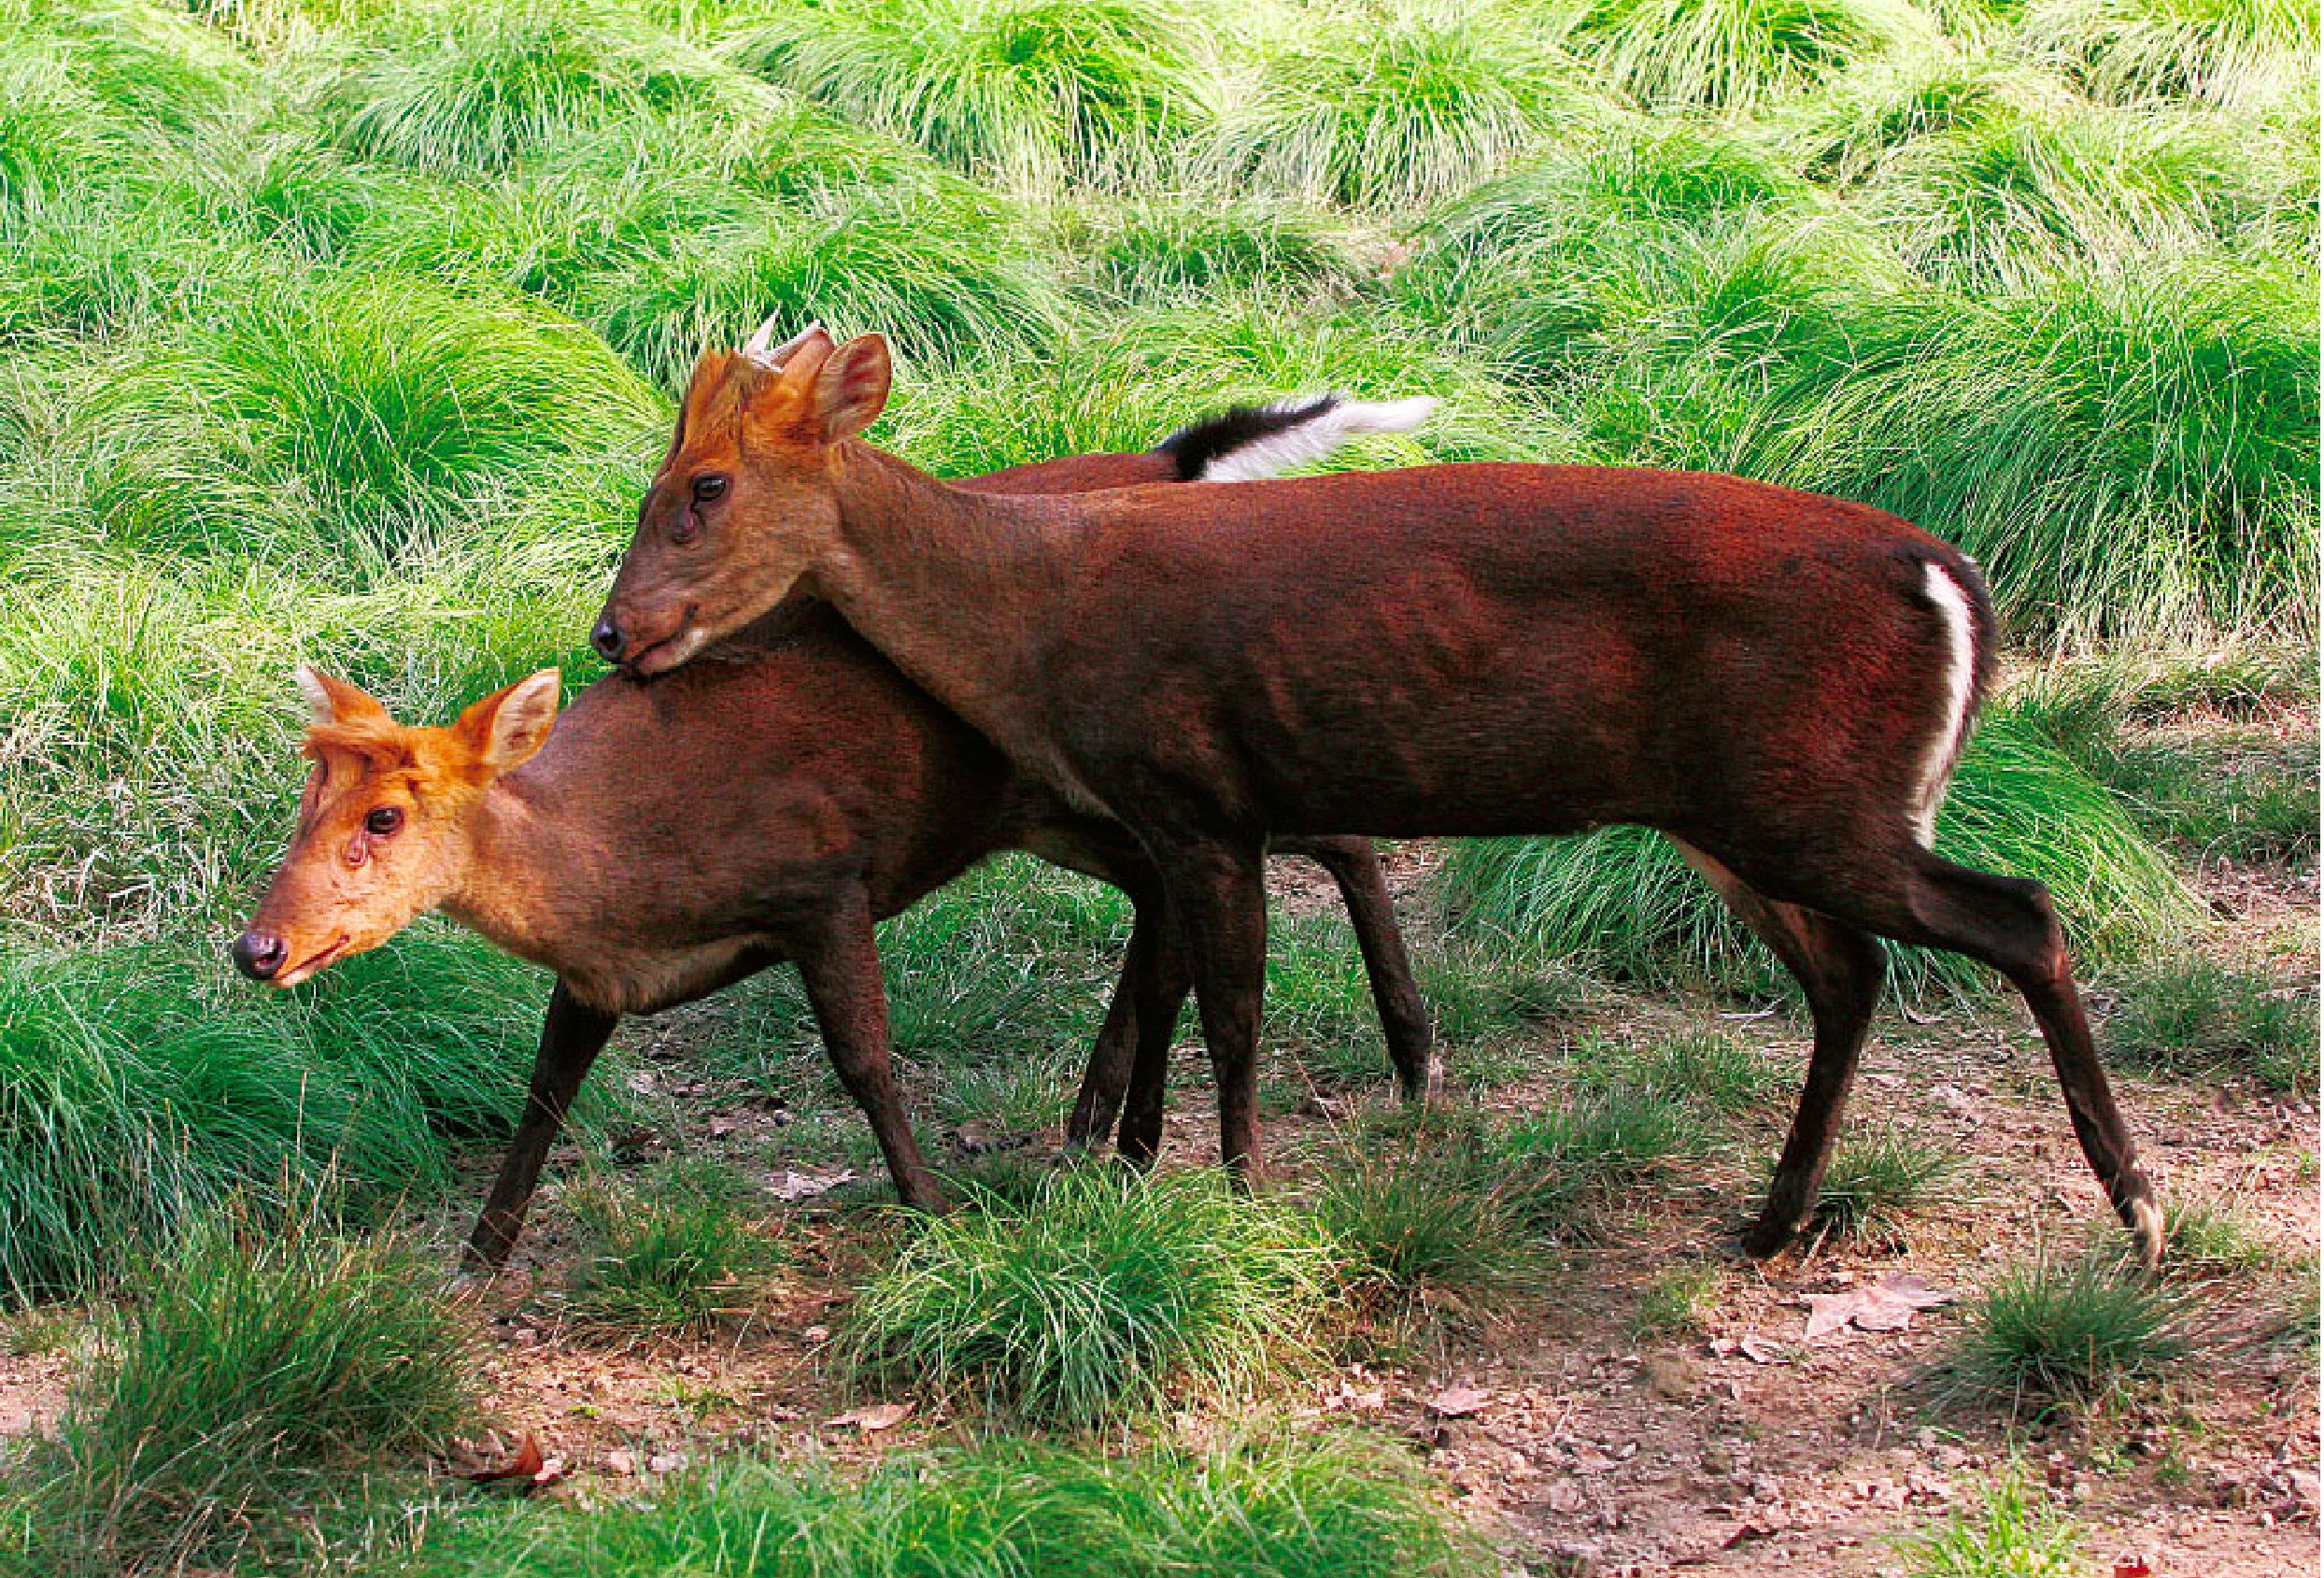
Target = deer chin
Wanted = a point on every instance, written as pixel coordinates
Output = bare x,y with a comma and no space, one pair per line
312,965
669,652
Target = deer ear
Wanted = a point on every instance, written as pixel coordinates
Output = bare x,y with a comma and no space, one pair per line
333,701
505,728
851,389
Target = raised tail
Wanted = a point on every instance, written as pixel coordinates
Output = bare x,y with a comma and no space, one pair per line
1251,443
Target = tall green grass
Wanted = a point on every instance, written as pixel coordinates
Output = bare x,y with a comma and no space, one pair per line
2127,456
478,86
1623,900
348,425
1022,92
143,1089
1094,1299
2235,53
256,1374
1327,1506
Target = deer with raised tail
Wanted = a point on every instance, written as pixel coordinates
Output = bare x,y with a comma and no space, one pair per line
1778,681
659,842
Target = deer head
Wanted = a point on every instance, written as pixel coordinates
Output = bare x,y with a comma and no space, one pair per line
743,502
385,823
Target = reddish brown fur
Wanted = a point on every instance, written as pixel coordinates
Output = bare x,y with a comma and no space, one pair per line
1760,673
771,802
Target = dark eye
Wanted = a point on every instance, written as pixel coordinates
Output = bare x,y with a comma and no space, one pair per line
383,820
707,488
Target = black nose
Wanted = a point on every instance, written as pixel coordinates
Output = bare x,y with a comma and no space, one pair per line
606,638
258,955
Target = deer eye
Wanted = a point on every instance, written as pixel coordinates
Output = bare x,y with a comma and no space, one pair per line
707,489
384,821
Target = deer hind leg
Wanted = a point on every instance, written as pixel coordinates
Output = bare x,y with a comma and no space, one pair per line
1354,867
2010,923
1909,894
1840,969
1162,986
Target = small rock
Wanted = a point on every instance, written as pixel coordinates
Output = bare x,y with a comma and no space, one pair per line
620,1462
1668,1376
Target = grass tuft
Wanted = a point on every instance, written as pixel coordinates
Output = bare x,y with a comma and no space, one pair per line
476,86
1094,1299
256,1371
1395,109
1424,1228
1734,54
2052,1331
1024,91
1874,1185
1326,1506
670,1253
2007,1530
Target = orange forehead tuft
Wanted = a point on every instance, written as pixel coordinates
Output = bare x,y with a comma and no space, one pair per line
381,743
723,386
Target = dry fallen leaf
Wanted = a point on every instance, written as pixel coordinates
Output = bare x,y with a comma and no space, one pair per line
879,1416
528,1470
1458,1403
806,1186
1761,1350
1885,1305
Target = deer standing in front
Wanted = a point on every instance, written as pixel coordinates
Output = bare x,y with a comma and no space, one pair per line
772,802
1780,682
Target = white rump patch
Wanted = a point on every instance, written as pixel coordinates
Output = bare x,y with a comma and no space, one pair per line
1317,436
1961,657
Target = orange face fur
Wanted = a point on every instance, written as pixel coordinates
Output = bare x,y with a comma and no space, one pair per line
743,504
383,832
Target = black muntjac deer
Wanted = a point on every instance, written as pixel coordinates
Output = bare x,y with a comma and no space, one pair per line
667,839
1778,681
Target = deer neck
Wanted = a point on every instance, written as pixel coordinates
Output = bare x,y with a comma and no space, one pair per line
516,888
957,589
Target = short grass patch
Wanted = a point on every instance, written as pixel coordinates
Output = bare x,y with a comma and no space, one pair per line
2193,1017
1564,1168
2205,1237
670,1252
2052,1329
1677,1301
253,1373
2004,1531
1877,1185
1095,1299
1333,1505
1712,1071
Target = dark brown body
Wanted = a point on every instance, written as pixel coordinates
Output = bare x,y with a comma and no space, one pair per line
776,799
1780,681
